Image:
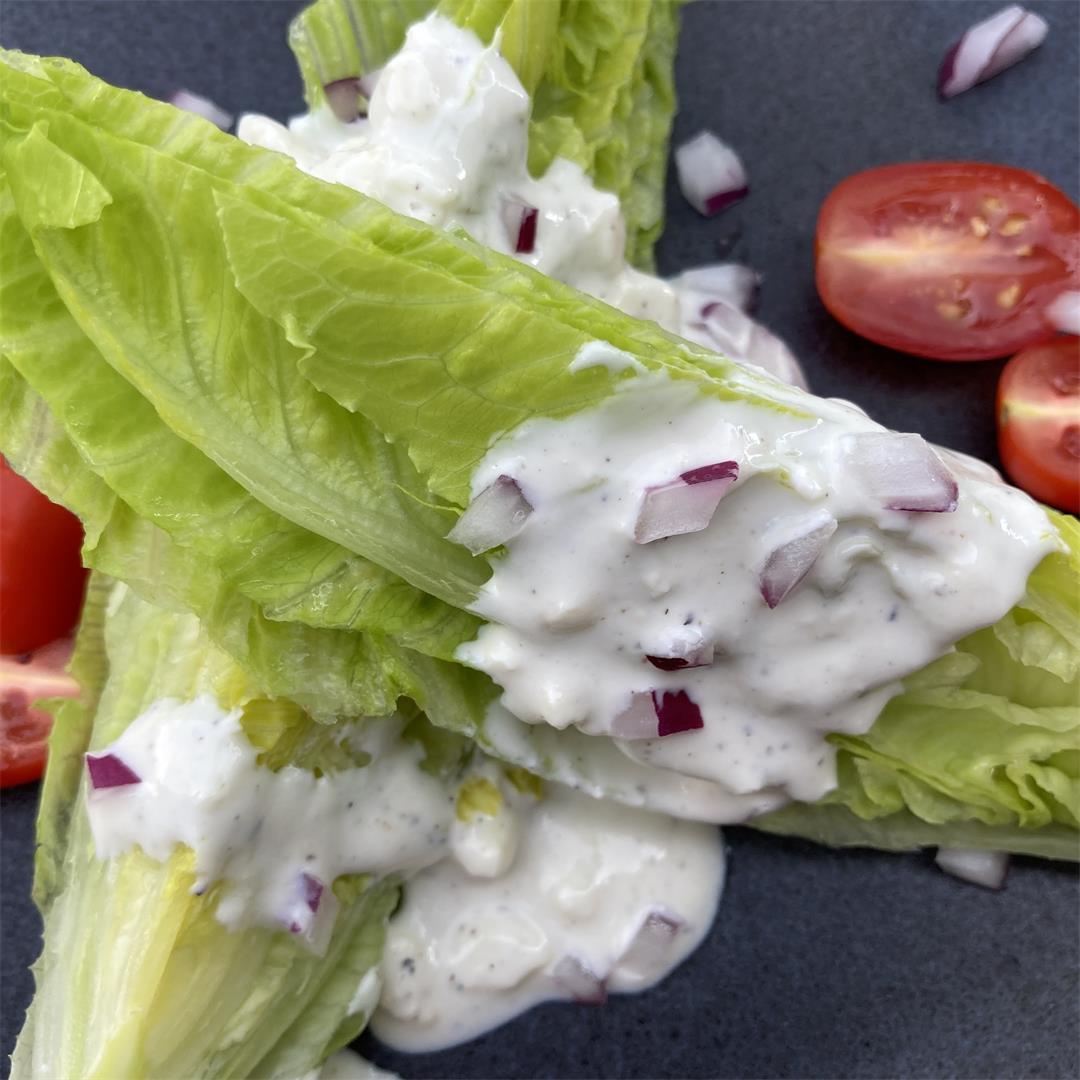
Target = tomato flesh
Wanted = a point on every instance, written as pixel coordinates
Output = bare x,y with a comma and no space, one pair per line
41,572
948,260
24,729
1038,408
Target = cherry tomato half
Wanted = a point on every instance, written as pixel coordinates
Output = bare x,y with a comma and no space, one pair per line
41,572
949,260
1038,410
24,729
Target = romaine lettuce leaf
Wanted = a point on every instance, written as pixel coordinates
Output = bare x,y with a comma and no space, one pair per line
601,76
983,747
292,574
137,977
68,740
316,667
343,39
339,477
478,306
331,672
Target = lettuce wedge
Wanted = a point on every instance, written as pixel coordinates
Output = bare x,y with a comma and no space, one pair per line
137,977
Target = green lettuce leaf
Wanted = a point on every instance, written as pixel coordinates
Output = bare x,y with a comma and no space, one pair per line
314,667
343,39
982,750
137,977
68,740
601,76
341,480
477,305
441,384
292,574
332,673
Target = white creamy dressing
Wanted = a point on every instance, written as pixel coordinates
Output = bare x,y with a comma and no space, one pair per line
259,832
575,605
445,142
544,901
499,894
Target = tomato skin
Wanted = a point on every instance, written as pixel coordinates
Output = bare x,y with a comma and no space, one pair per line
41,572
947,260
24,730
1038,410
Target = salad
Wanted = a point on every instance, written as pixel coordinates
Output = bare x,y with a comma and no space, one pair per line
450,579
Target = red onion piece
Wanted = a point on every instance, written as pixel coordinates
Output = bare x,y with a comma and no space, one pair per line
669,663
496,515
718,470
676,712
656,714
651,945
740,338
702,657
988,48
1064,312
686,648
684,506
343,97
582,984
308,895
520,220
792,560
108,771
986,868
313,890
638,720
711,176
204,107
902,472
733,283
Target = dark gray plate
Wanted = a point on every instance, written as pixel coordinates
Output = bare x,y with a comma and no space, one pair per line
821,963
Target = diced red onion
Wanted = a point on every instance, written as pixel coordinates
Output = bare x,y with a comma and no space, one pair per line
343,97
699,657
637,721
676,712
988,48
204,107
656,714
789,563
108,771
520,220
313,890
681,505
986,868
733,283
583,985
496,515
902,472
1064,312
733,333
711,176
685,648
651,945
308,895
705,474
